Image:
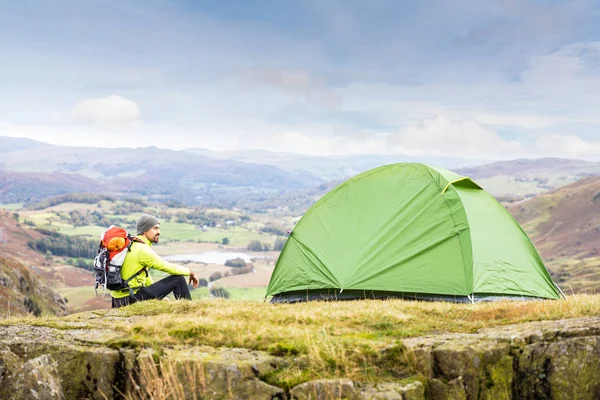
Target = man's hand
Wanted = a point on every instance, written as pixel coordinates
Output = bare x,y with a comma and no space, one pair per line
193,279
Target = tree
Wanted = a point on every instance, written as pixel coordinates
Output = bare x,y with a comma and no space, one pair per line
255,245
225,240
279,243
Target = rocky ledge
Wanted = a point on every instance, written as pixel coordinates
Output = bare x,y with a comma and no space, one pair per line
536,360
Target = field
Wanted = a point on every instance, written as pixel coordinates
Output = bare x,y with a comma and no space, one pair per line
177,238
12,206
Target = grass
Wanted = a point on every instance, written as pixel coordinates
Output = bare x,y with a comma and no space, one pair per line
179,231
354,339
88,230
250,294
11,206
238,236
359,340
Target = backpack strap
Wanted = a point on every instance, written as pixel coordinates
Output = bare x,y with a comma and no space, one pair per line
133,276
144,269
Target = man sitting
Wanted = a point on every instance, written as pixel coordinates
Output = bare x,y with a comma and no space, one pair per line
141,257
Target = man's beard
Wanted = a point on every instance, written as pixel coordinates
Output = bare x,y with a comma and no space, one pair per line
155,239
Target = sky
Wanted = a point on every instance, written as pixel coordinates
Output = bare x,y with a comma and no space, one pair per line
494,79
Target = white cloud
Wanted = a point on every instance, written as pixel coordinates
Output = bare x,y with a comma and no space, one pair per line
459,138
106,110
570,146
528,121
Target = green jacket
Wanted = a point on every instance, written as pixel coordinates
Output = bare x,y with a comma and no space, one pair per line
140,256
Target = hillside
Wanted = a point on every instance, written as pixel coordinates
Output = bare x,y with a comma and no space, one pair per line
16,187
564,224
525,178
22,289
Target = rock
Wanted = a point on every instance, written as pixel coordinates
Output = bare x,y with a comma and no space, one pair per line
37,379
215,373
85,371
393,391
9,363
567,369
452,390
323,389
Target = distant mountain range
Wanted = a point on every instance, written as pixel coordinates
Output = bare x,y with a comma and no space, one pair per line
30,170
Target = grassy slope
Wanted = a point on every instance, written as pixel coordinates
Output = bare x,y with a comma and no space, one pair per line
352,339
564,226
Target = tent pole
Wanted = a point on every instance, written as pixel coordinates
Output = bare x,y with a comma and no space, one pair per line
561,292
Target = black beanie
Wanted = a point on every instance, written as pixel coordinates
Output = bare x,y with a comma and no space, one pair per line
145,223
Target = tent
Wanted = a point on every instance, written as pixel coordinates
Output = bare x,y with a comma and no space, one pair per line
409,231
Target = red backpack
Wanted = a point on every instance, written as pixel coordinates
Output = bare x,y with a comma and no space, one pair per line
115,244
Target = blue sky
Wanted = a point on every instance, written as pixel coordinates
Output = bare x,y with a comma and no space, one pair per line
474,79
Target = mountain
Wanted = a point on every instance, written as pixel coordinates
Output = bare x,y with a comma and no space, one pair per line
18,187
327,167
526,178
241,178
8,144
564,225
148,171
22,289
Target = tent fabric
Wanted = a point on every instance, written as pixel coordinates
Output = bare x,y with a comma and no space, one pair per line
409,230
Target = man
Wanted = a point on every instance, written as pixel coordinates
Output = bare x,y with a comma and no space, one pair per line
142,257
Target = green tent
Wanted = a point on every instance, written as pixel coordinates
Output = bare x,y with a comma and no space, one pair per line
410,231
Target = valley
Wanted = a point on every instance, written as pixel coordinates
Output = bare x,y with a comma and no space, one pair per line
67,206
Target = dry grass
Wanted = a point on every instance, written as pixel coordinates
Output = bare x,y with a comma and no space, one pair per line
360,340
259,325
357,339
166,380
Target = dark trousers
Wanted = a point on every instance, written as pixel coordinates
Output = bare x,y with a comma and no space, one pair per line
158,290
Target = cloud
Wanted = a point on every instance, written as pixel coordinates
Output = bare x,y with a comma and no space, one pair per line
528,121
106,110
571,146
460,138
296,82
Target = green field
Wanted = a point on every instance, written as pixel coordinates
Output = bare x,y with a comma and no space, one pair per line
78,296
11,206
93,231
238,236
251,294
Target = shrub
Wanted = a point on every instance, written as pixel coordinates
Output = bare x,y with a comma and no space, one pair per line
236,263
214,276
219,292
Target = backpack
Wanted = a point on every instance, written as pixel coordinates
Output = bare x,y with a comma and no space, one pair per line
115,244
